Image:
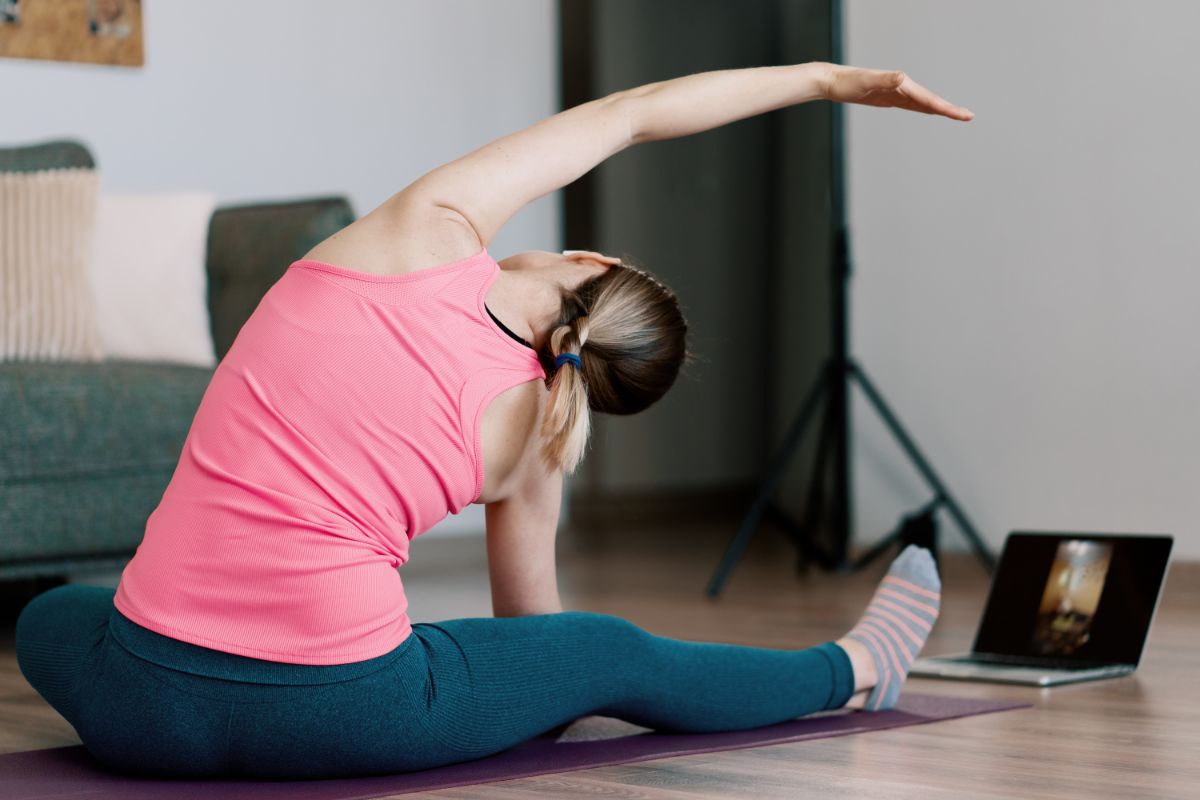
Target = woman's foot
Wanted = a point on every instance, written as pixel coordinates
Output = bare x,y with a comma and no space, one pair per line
865,674
893,629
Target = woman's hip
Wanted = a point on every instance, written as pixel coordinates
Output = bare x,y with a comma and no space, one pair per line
143,703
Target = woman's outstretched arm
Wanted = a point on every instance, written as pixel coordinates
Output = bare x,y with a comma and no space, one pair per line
484,188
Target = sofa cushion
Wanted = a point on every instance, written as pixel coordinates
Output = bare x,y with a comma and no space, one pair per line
147,269
47,308
74,432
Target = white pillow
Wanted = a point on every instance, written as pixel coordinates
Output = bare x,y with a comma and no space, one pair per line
147,270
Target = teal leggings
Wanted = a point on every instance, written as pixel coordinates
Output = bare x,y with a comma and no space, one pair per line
147,704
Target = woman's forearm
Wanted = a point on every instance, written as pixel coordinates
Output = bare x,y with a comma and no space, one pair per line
706,100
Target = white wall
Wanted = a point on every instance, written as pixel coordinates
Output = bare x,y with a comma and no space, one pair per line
1027,290
289,98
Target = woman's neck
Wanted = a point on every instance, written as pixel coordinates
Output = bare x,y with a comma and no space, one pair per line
527,304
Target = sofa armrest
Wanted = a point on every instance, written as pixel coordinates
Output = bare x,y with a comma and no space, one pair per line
251,246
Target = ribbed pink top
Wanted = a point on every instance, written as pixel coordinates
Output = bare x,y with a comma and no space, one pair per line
343,422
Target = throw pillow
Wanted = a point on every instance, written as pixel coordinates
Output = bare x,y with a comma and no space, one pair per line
47,310
148,272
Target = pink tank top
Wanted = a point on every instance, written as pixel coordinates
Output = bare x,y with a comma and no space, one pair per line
343,422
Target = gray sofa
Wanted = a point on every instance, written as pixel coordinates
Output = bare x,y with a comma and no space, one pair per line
87,448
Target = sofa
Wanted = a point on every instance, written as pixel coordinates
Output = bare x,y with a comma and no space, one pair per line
87,448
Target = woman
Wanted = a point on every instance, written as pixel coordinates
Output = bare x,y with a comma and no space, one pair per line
392,376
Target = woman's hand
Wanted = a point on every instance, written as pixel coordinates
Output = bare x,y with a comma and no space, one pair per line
886,89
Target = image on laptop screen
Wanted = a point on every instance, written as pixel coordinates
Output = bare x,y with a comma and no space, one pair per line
1072,593
1086,598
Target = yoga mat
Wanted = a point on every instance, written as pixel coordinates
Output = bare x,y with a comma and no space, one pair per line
71,772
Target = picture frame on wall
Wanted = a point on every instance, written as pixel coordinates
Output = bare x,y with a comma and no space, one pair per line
10,12
84,31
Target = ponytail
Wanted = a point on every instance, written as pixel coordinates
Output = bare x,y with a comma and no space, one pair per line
636,343
567,421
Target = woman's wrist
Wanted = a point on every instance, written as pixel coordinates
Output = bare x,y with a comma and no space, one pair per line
823,74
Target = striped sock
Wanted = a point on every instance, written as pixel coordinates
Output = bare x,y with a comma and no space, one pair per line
897,622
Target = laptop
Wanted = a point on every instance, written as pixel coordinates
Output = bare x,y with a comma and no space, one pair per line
1062,608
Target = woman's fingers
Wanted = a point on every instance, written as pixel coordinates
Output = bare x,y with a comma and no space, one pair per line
921,99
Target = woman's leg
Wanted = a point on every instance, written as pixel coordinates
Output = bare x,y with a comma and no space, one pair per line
129,721
58,635
456,690
491,683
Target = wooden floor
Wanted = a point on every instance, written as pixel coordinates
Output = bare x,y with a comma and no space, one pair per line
1133,737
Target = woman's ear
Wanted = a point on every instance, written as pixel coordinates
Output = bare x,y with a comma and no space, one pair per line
579,255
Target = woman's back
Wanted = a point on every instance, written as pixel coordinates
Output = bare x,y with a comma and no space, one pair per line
406,236
344,421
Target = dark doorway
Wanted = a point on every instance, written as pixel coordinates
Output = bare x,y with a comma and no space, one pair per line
735,220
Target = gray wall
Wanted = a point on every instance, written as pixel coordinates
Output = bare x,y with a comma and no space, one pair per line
276,99
1027,285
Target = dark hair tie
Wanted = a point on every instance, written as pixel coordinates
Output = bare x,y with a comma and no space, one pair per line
562,358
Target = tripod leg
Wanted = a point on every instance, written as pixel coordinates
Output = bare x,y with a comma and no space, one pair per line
923,466
919,528
814,501
753,519
879,549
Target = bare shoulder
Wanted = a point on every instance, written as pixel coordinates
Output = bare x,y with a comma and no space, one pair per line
510,439
406,233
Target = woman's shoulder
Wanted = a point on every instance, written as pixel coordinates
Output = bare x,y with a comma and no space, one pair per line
395,241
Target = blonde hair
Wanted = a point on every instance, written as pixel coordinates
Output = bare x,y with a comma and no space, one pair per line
629,332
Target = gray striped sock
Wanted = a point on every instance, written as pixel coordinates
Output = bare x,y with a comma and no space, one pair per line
898,621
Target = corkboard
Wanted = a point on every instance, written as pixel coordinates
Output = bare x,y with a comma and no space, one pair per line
93,31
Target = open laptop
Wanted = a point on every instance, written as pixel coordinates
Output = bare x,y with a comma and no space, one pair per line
1063,607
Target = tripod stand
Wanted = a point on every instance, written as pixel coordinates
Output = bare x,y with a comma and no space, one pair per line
834,383
833,447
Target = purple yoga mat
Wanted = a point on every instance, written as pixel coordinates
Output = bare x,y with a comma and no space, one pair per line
67,772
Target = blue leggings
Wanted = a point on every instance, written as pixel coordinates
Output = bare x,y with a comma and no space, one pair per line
147,704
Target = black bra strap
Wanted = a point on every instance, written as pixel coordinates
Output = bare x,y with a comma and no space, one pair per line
504,328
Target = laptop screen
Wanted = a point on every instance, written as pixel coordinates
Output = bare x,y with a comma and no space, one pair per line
1079,597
